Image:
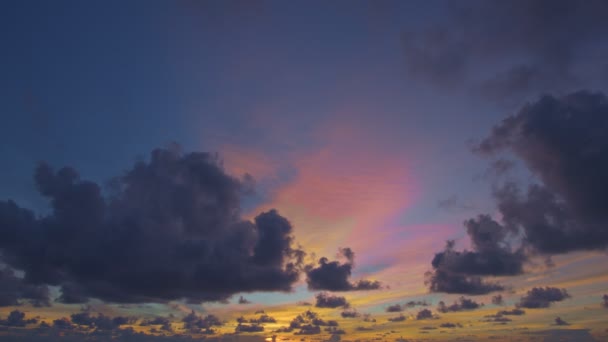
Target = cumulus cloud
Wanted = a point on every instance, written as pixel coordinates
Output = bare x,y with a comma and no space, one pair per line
243,300
497,300
554,44
240,328
539,297
513,312
309,323
100,322
560,321
394,308
14,290
325,300
461,304
201,324
350,314
334,275
563,141
168,229
16,318
424,314
461,271
399,318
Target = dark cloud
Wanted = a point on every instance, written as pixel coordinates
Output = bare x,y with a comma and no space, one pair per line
539,297
450,325
461,271
264,318
413,303
309,323
309,329
14,289
197,324
334,275
63,324
325,300
394,308
335,331
243,300
554,44
424,314
605,298
248,328
399,318
564,142
100,321
498,300
559,321
513,312
16,318
368,318
168,229
461,304
155,321
349,314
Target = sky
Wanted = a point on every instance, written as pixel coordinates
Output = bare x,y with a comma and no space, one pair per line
303,170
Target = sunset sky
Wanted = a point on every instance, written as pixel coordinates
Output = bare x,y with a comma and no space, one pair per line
308,170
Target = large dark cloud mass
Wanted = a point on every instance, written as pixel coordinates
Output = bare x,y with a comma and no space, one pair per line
511,48
14,290
334,276
168,229
461,271
564,142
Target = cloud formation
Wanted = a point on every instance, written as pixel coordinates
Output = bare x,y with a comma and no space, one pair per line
461,271
461,304
334,276
539,297
563,141
554,45
325,300
169,228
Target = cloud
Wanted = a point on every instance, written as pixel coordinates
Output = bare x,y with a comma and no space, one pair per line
539,297
563,141
198,324
461,304
394,308
424,314
243,300
349,314
309,323
605,298
553,46
16,318
461,271
334,276
168,229
450,325
498,300
14,289
559,321
325,300
248,328
399,318
100,322
513,312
